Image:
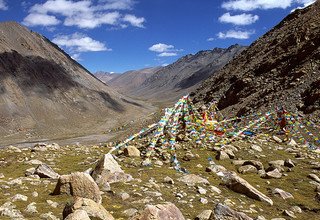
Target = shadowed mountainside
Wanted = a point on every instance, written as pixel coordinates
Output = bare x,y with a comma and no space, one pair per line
46,94
280,68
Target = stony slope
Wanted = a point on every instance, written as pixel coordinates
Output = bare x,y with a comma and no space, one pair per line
169,83
44,93
105,76
130,81
280,68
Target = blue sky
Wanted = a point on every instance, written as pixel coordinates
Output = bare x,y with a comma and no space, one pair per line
121,35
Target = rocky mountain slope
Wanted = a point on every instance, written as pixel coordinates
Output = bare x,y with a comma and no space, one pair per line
280,68
105,76
129,81
44,93
168,84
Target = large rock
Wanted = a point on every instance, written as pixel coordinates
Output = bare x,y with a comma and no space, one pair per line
78,215
109,171
44,171
131,151
92,209
274,174
255,163
247,169
223,212
237,184
192,179
79,185
283,194
160,212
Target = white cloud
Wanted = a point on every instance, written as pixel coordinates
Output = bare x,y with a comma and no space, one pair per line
134,21
3,5
77,43
160,48
86,14
167,54
241,19
249,5
242,35
34,19
92,20
117,4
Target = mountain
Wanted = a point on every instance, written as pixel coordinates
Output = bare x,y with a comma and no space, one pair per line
105,76
280,68
45,93
169,83
129,81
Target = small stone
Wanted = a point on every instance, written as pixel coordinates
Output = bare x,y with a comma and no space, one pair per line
283,194
215,190
168,180
276,139
201,190
314,177
276,163
224,212
1,176
275,174
8,209
124,196
296,209
158,163
247,169
34,162
289,163
289,213
19,197
48,216
35,194
130,212
45,171
256,148
78,215
192,179
52,204
31,208
204,215
30,171
204,200
254,163
146,162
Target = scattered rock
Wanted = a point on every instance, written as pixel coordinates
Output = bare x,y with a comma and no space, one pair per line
1,176
237,184
201,190
204,215
93,209
289,213
276,163
8,209
276,139
49,216
19,197
222,155
215,189
256,148
45,171
296,209
124,196
203,201
146,163
314,177
160,212
192,179
108,171
78,184
223,212
289,163
52,203
78,215
131,151
273,174
283,194
254,163
30,171
34,162
247,169
31,208
130,212
168,180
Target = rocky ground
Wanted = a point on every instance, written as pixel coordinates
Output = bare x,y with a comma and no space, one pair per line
260,177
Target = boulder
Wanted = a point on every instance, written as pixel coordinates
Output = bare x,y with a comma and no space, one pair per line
131,151
45,171
289,163
79,185
222,155
93,209
255,163
237,184
109,171
274,174
160,212
223,212
256,148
